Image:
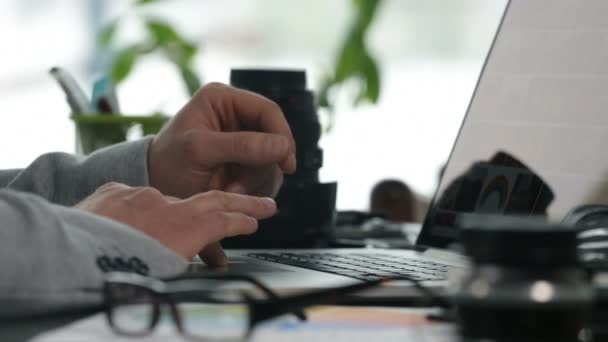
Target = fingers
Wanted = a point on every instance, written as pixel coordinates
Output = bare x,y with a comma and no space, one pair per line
215,215
221,225
236,188
255,207
246,148
253,111
113,186
263,181
213,255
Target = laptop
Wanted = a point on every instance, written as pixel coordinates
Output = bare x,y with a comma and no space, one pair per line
531,143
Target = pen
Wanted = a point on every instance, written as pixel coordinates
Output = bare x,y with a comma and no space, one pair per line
74,94
103,98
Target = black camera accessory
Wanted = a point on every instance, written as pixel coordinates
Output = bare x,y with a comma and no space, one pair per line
525,283
588,216
591,220
502,185
599,317
306,207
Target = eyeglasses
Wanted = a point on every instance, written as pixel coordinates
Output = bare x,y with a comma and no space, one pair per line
225,307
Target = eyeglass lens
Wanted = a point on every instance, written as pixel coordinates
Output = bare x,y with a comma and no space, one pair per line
133,310
215,320
222,314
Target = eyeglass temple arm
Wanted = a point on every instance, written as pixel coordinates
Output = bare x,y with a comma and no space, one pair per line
262,311
299,313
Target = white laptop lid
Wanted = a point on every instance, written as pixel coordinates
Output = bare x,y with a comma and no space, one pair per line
542,100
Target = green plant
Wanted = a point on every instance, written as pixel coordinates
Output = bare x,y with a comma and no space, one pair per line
161,38
354,61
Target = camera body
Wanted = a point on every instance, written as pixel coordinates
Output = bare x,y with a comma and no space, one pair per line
526,283
306,206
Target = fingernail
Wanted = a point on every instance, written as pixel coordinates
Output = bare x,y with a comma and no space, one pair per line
269,201
285,146
292,162
223,261
236,188
289,165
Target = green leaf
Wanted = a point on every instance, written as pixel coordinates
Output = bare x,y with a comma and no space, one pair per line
181,54
371,77
354,62
178,49
163,32
188,51
349,60
145,2
190,78
373,82
123,63
323,95
105,36
366,11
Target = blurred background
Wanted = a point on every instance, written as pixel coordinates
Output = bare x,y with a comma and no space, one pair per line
429,54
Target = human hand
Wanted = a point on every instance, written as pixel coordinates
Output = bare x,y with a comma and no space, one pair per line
185,226
223,139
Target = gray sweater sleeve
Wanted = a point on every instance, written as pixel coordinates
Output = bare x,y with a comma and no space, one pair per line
66,179
6,176
53,257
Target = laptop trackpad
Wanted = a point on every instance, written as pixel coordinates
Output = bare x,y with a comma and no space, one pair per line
237,265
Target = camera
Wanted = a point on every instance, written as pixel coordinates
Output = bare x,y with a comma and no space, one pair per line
306,206
525,284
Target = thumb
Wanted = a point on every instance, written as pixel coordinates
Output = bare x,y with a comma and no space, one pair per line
213,255
252,149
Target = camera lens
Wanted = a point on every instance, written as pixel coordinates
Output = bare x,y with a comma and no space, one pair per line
526,283
306,205
288,89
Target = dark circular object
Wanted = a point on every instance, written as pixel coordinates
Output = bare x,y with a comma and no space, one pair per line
287,88
265,80
526,283
306,205
516,241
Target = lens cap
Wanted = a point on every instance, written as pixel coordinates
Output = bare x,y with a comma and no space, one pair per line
517,241
264,80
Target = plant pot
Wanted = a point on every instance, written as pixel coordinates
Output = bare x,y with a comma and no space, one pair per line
100,130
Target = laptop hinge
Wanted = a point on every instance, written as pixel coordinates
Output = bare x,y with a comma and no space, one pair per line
445,255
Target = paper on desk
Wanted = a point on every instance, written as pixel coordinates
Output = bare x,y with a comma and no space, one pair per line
333,324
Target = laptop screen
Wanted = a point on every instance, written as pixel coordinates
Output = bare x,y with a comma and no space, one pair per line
535,136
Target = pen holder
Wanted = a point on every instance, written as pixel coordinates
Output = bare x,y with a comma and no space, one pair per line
100,130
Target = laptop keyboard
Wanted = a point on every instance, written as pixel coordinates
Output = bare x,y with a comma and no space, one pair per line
366,267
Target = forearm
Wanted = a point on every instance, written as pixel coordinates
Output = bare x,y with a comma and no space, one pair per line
54,257
66,179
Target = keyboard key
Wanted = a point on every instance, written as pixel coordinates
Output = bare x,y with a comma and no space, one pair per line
361,266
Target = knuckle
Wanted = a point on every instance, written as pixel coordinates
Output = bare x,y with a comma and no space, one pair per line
150,192
145,195
218,197
214,87
111,185
190,144
214,194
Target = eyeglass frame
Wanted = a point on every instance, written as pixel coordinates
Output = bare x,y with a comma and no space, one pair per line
259,310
